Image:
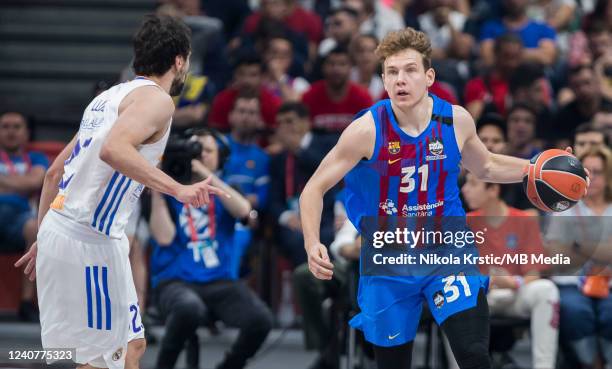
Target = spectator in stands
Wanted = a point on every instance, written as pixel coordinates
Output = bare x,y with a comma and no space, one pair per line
21,177
521,131
558,14
312,292
406,8
193,102
601,13
289,172
538,38
375,17
342,25
231,13
583,233
599,36
492,132
192,264
529,85
587,101
334,100
248,78
247,168
603,122
515,290
489,92
294,16
366,71
278,56
451,46
588,138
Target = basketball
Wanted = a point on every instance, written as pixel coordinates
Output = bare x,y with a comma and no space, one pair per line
554,180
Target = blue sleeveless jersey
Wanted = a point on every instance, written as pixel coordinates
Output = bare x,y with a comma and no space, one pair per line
407,176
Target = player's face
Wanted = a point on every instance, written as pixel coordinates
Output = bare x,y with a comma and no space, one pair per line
210,152
13,131
597,176
584,142
405,78
493,138
182,68
474,192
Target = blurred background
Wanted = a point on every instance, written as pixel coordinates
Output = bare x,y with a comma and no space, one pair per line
279,80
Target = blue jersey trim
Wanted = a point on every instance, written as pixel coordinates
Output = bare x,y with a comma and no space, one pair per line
89,297
98,299
110,204
107,300
109,187
112,218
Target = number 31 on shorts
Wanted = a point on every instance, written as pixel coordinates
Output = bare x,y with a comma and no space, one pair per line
451,290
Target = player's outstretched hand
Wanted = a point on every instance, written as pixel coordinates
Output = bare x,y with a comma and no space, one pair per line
588,179
318,262
30,259
197,194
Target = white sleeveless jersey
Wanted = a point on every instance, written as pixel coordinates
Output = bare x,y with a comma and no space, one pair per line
91,192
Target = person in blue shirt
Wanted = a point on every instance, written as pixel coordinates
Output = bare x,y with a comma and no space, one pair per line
246,169
192,265
21,176
538,38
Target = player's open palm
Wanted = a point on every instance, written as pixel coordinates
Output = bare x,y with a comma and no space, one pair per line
29,260
198,194
318,262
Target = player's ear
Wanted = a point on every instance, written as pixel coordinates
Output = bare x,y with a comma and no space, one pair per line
430,76
179,61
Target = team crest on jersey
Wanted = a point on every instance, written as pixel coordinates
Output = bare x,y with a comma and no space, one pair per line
438,299
436,150
394,147
388,207
117,354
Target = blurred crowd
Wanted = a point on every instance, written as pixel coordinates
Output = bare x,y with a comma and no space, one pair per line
274,83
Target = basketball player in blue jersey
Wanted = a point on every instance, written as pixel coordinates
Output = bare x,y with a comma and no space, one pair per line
85,289
402,157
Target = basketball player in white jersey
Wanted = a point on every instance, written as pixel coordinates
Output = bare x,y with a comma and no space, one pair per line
85,289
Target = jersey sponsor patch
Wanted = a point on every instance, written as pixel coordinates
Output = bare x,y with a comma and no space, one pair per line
394,147
436,150
438,299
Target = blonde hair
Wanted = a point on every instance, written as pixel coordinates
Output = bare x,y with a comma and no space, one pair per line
407,38
605,155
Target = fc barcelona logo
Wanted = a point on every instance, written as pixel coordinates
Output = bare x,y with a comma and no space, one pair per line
394,147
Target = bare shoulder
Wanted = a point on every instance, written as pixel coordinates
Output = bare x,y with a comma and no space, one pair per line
360,136
149,97
464,125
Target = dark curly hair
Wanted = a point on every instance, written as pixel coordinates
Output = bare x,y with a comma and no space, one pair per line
158,42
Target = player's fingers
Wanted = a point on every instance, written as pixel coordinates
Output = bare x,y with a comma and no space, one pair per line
217,191
22,260
323,267
323,260
323,251
32,276
31,265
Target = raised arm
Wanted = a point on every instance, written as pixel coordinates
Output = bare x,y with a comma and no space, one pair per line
356,143
478,160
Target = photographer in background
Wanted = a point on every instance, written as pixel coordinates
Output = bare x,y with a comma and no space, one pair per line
192,260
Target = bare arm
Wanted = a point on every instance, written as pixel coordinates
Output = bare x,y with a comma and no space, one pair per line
24,184
477,159
147,115
342,158
162,227
562,16
145,118
486,52
52,178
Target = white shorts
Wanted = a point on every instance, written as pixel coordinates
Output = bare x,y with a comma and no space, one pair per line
86,292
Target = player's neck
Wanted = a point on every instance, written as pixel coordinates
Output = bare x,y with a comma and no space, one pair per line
165,81
415,118
496,208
